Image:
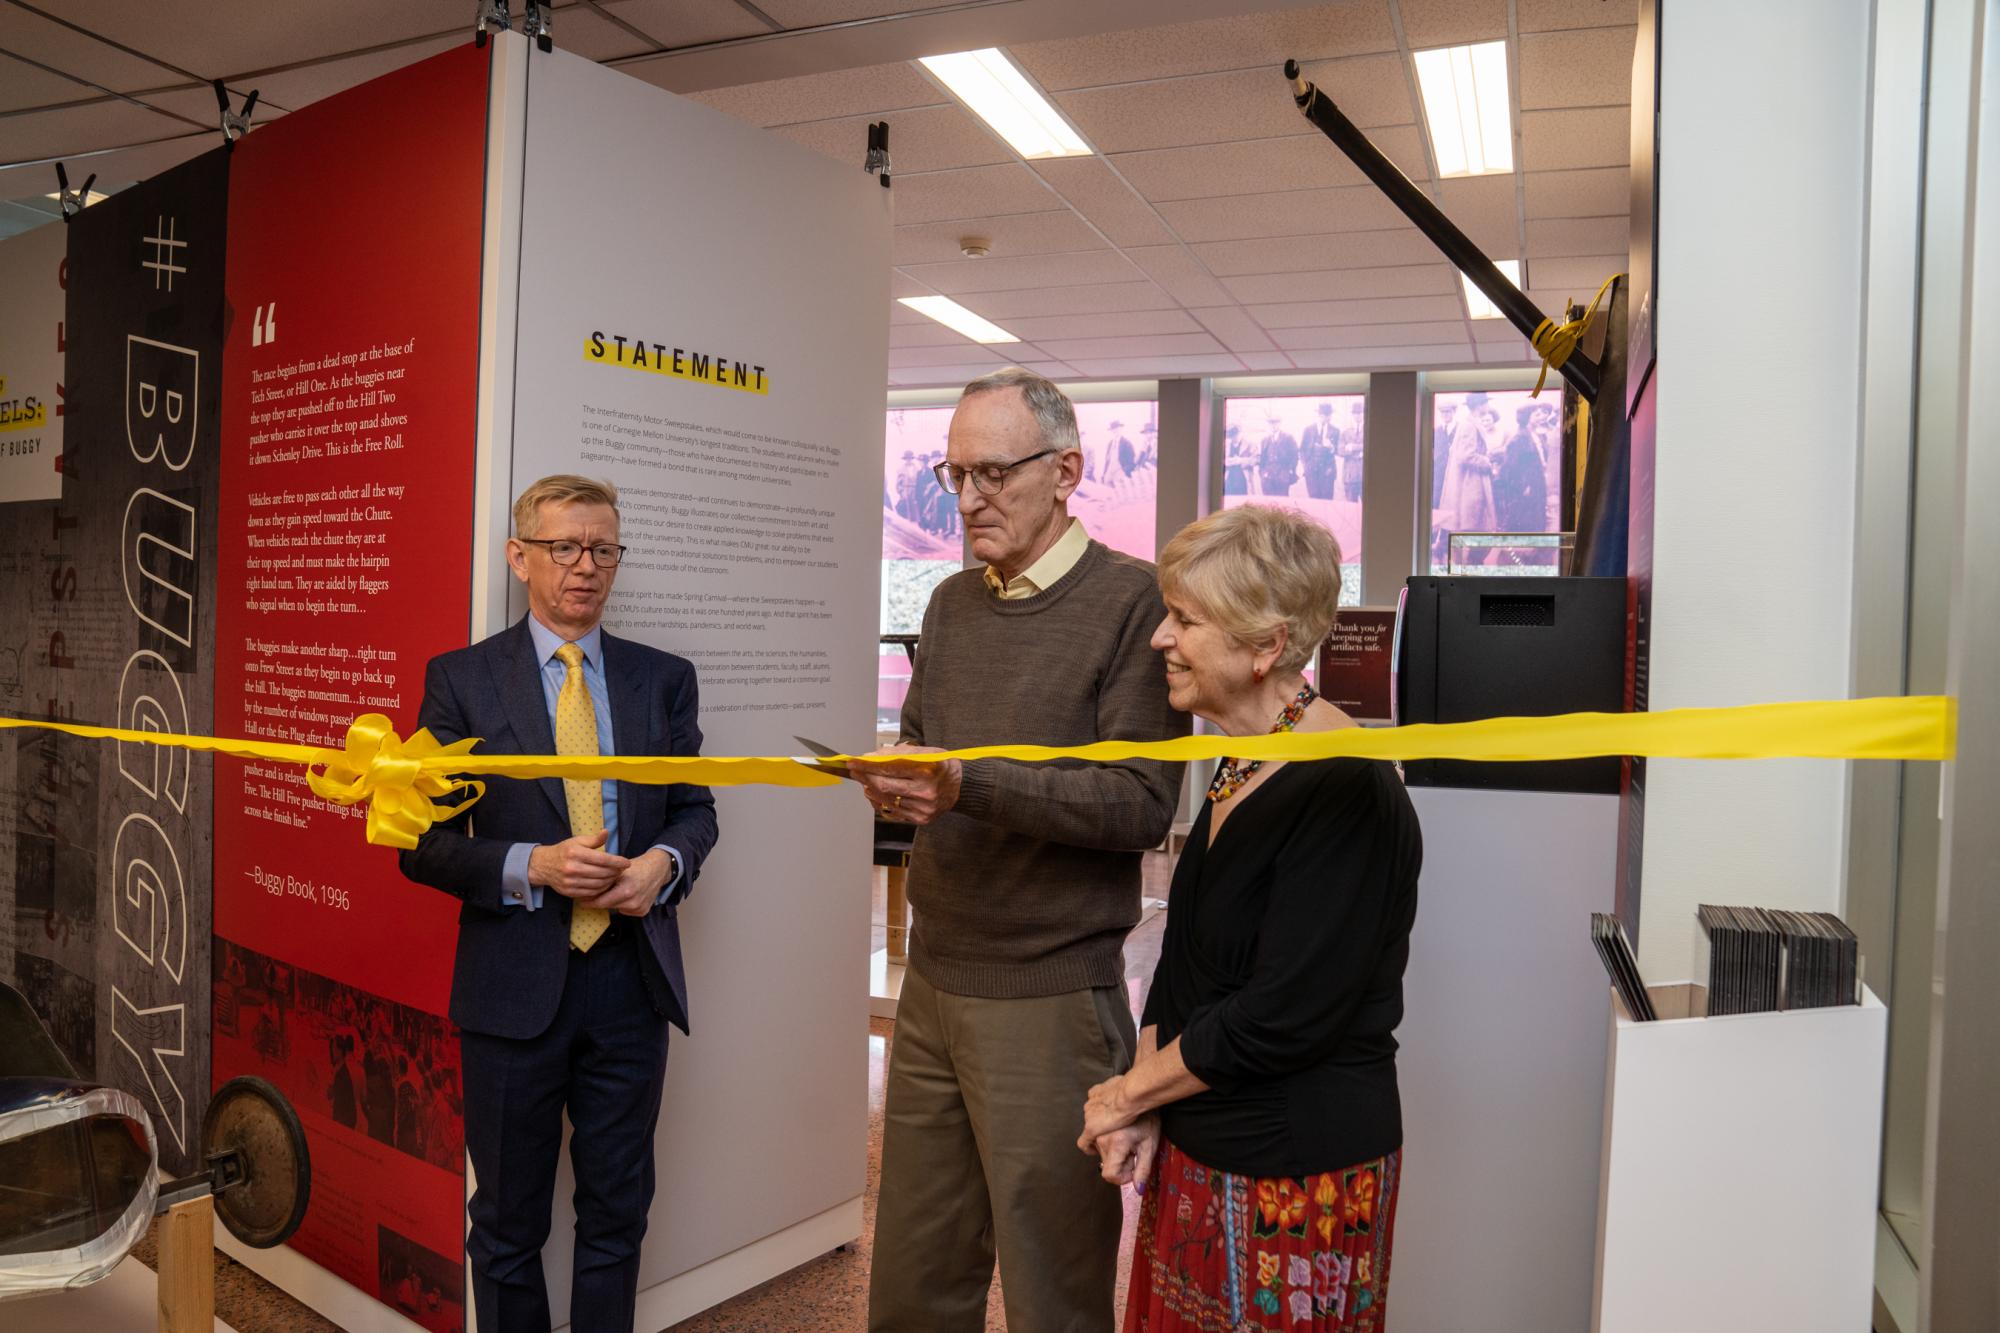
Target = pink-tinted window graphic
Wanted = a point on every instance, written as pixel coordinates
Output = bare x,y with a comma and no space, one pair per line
1304,453
1496,466
923,537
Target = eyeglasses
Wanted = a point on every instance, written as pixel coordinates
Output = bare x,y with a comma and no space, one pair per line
987,478
605,555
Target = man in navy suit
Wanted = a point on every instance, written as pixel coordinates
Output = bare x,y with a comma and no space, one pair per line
569,955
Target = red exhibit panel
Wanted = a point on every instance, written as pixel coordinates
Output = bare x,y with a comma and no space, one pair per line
348,415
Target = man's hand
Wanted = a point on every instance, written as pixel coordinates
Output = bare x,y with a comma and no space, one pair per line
577,867
905,792
635,891
1126,1155
1106,1111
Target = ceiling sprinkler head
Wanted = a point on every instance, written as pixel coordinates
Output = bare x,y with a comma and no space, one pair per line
975,247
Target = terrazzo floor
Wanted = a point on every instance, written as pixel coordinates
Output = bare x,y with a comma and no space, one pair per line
828,1295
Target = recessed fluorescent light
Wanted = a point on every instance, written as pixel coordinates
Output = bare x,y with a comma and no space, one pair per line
1475,300
999,94
1465,104
957,318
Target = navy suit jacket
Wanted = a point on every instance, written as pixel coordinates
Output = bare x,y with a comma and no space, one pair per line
511,964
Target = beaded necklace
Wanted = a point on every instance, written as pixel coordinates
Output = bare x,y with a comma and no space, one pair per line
1233,773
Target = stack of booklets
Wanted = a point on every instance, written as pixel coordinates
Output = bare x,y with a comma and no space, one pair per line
1608,934
1760,959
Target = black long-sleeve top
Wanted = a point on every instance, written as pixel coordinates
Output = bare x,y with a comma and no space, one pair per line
1282,971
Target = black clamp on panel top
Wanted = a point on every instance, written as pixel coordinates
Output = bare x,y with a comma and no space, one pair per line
877,161
72,201
539,23
235,124
490,16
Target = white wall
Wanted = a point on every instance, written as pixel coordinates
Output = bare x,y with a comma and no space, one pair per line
1763,196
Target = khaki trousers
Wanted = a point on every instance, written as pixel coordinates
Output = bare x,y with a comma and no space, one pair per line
984,1103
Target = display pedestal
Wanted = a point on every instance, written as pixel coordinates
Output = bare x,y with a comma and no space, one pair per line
885,984
1740,1160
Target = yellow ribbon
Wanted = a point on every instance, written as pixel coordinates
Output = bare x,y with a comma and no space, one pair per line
402,779
1556,341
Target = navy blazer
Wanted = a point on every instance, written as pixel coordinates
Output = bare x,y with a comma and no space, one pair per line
511,964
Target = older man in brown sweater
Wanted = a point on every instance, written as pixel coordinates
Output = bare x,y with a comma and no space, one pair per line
1024,881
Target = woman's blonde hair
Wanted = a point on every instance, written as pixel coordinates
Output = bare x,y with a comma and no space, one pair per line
1253,569
561,489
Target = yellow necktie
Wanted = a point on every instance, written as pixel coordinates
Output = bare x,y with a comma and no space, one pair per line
576,733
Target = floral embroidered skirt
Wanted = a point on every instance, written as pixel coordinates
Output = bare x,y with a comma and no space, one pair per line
1223,1253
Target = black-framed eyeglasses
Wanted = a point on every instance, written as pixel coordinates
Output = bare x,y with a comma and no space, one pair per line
605,555
987,478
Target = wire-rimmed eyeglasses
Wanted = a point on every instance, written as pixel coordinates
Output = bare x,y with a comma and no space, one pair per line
605,555
987,478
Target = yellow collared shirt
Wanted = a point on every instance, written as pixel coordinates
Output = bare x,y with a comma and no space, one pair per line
1045,573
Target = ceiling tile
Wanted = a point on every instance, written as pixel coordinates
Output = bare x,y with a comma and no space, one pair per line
1559,237
22,85
914,377
902,285
1054,370
681,22
932,139
587,32
1406,310
1294,213
1265,361
125,165
1091,187
1371,334
1261,166
872,91
1453,22
1219,364
810,13
1515,353
1233,325
1582,67
1245,41
1244,104
302,87
1074,300
85,57
1434,279
926,332
1495,331
974,192
1024,271
81,129
1430,356
1597,192
1561,140
1545,15
1117,324
966,353
228,37
1179,274
1483,208
1073,350
1015,234
1304,254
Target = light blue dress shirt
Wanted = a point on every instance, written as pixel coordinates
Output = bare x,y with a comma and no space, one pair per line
514,886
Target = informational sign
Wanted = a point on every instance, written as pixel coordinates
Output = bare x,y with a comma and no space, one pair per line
348,420
107,606
1357,664
32,337
706,334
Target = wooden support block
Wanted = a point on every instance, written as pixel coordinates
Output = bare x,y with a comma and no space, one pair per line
899,915
187,1267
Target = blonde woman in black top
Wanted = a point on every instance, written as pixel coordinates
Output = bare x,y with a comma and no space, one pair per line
1261,1119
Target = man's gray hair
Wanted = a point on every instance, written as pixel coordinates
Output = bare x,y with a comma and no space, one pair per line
1054,414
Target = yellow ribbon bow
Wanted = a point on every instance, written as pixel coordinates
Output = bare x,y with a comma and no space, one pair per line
1555,341
391,774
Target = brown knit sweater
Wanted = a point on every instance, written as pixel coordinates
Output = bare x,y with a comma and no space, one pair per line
1030,883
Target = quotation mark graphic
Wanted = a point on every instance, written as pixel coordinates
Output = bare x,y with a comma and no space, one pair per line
264,325
165,247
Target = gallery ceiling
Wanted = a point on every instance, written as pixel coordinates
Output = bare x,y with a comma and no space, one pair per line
1212,231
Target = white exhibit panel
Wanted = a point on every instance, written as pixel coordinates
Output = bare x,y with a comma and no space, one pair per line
699,322
1501,1062
31,365
1740,1158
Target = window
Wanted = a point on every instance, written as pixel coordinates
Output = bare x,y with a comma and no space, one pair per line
1496,467
1303,452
